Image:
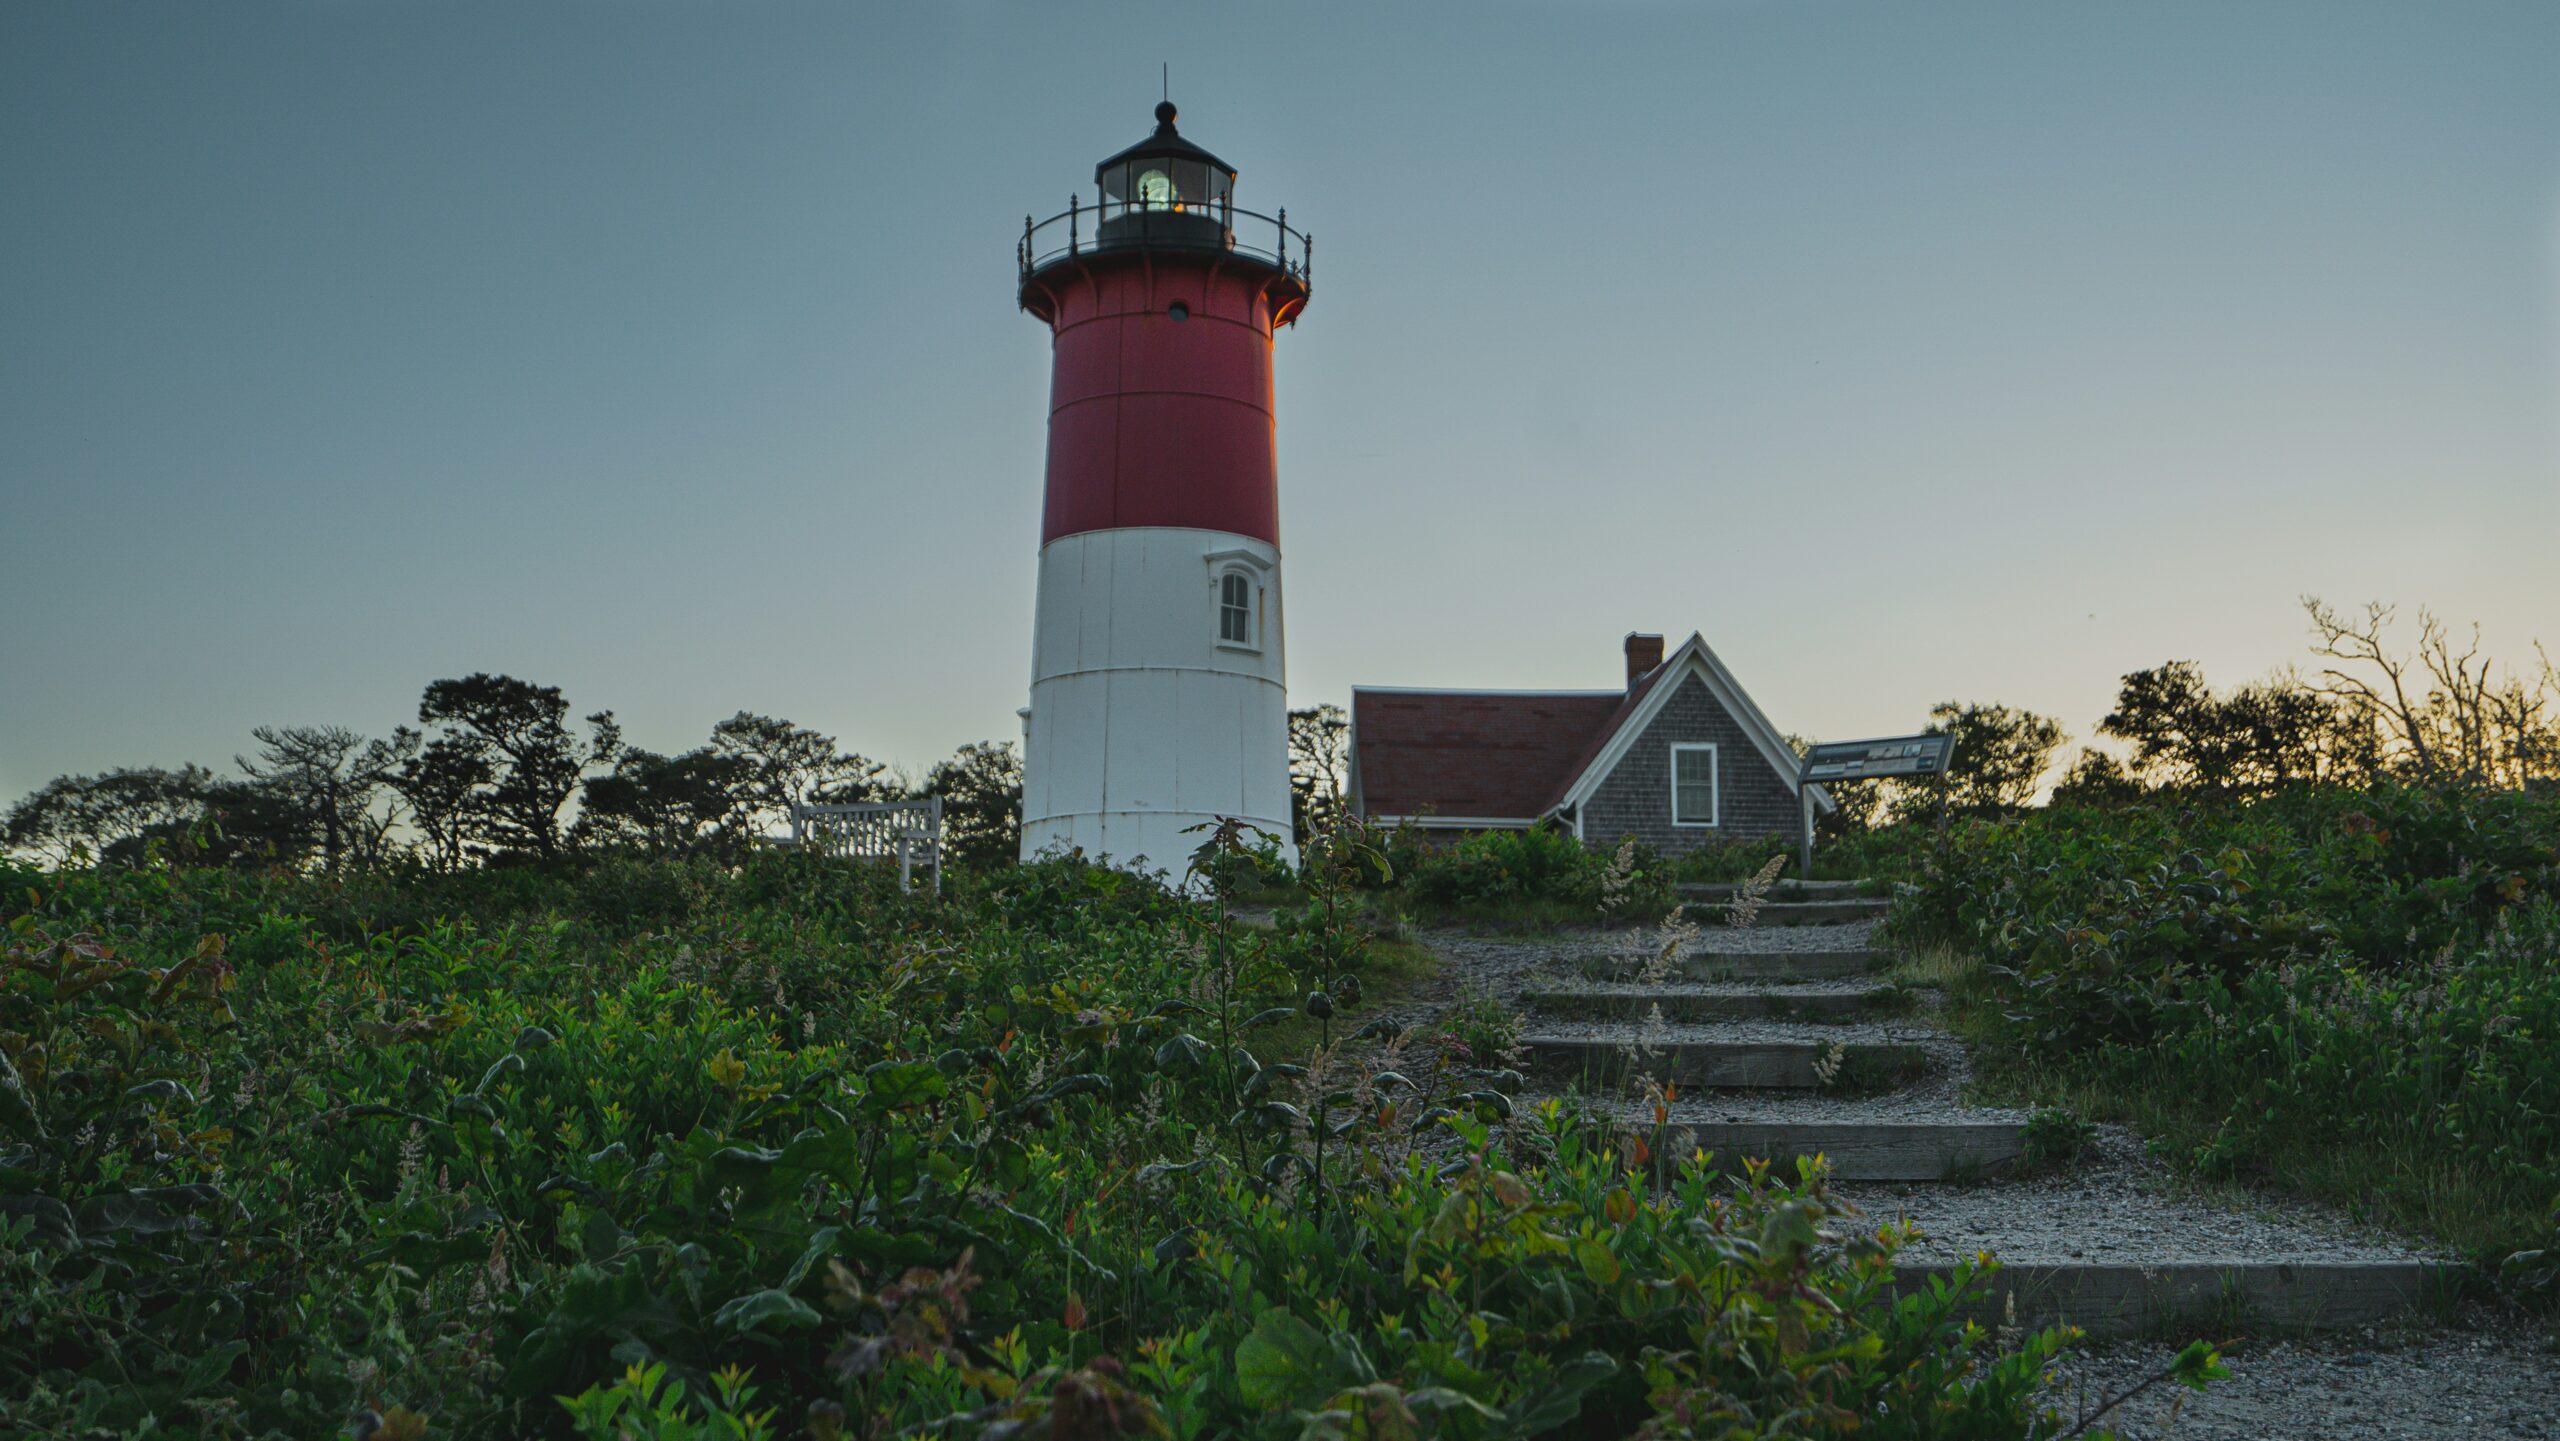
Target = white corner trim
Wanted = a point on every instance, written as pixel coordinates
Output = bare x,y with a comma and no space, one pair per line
1694,658
1715,786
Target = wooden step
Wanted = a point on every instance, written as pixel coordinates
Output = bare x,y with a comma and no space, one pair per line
1797,913
1780,966
1782,891
1782,1003
2214,1299
1607,1061
1856,1150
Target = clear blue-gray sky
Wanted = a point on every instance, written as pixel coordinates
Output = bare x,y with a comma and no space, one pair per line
668,352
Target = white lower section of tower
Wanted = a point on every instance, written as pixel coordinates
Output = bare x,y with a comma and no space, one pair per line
1155,706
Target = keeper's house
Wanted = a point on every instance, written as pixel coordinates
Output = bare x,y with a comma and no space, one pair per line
1681,759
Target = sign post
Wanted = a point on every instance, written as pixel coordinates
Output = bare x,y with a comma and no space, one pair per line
1920,755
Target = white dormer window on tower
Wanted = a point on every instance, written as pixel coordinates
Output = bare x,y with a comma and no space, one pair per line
1237,579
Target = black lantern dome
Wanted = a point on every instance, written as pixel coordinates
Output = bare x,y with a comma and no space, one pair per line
1165,172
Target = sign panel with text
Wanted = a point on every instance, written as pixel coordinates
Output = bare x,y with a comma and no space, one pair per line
1926,755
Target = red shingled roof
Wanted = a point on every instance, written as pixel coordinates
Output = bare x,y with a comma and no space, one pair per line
1600,738
1493,755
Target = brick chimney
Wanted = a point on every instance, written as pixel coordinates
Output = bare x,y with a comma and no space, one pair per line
1644,652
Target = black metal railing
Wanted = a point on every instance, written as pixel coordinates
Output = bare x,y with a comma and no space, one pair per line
1083,229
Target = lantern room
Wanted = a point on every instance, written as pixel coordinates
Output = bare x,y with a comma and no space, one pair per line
1164,174
1162,194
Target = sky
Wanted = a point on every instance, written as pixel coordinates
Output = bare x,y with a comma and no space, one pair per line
669,352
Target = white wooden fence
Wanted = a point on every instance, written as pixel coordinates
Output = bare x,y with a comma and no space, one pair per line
908,831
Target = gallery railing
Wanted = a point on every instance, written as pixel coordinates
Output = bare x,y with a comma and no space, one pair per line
1082,230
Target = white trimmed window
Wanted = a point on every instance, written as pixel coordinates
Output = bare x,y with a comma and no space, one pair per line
1237,580
1235,609
1693,785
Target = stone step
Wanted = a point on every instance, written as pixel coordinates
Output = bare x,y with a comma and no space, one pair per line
1782,891
1856,1150
1779,966
1798,913
1783,1003
1601,1062
2219,1299
2114,1244
1920,1151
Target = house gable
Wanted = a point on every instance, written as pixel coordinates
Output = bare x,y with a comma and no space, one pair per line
1707,706
1634,798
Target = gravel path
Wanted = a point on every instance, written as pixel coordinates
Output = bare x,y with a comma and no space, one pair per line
2487,1379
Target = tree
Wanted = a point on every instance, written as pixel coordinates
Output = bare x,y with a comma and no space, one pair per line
2249,741
2098,779
2444,714
788,765
981,790
1319,756
324,782
442,781
667,804
107,816
2000,757
534,761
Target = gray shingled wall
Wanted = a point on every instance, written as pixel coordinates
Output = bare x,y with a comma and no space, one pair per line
1752,801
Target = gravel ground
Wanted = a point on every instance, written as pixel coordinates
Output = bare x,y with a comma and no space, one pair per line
2118,1206
2488,1379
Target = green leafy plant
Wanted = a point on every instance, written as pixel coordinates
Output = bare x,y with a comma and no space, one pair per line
2053,1139
733,1150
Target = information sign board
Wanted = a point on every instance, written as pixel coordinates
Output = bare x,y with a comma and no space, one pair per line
1926,755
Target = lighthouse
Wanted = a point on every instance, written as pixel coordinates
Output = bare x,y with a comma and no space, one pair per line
1158,693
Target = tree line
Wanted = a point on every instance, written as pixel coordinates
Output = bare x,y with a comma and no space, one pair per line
2441,714
486,777
487,773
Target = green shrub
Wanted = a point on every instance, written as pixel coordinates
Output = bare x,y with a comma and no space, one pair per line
1541,870
750,1151
2345,990
2053,1139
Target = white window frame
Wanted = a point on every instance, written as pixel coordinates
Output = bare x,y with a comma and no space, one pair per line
1253,570
1715,786
1237,576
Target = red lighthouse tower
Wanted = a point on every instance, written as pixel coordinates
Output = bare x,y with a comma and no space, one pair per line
1158,692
